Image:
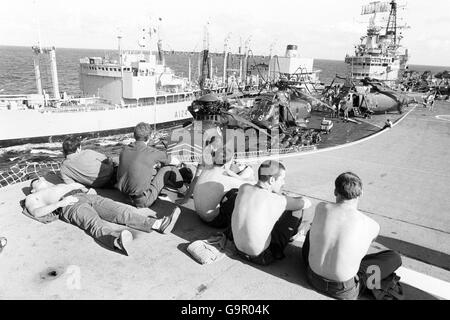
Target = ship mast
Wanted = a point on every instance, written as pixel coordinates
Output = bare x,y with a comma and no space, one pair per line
391,28
38,50
204,62
160,45
225,58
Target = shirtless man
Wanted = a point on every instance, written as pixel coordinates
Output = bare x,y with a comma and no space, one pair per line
70,203
210,185
263,220
336,246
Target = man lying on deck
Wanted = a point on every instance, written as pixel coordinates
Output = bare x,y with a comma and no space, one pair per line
336,246
264,221
70,203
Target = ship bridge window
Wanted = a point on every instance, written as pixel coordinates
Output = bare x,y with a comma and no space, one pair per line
135,72
170,99
160,100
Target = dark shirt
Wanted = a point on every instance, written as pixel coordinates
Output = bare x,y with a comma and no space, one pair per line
136,167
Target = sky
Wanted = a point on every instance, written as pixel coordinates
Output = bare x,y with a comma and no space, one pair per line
322,29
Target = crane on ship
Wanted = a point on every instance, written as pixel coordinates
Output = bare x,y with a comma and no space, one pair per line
205,71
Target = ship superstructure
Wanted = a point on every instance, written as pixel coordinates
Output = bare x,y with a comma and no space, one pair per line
138,78
292,67
117,94
379,55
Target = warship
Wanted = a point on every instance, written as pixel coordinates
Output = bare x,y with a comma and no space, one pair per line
380,55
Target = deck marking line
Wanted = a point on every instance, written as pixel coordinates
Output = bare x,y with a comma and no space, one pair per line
293,155
421,281
424,282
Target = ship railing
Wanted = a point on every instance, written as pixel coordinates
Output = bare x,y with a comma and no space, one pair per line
160,100
80,108
272,152
248,156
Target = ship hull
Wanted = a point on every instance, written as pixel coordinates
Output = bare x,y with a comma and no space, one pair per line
24,126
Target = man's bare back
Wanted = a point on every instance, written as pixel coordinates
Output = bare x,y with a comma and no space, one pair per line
340,237
211,186
46,197
256,212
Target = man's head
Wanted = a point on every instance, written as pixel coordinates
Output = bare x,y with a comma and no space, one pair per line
39,184
142,132
71,145
223,156
348,186
272,173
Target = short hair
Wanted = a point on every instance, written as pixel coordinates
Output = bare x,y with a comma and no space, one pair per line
70,145
33,181
349,186
223,155
270,168
142,131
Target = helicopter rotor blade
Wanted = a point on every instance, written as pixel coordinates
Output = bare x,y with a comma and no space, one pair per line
241,119
310,97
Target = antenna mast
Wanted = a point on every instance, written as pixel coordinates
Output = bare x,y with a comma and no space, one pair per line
391,28
204,63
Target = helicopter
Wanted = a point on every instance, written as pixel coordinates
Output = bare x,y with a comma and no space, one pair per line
282,107
371,97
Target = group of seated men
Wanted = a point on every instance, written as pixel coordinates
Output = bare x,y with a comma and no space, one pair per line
257,216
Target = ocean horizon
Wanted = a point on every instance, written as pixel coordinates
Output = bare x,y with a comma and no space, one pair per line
17,70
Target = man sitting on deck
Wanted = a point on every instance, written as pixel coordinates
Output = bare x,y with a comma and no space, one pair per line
211,184
137,176
88,167
264,221
336,246
70,203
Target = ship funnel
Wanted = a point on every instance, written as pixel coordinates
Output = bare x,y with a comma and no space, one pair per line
291,51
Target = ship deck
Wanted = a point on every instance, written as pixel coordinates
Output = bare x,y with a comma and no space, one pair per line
405,171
